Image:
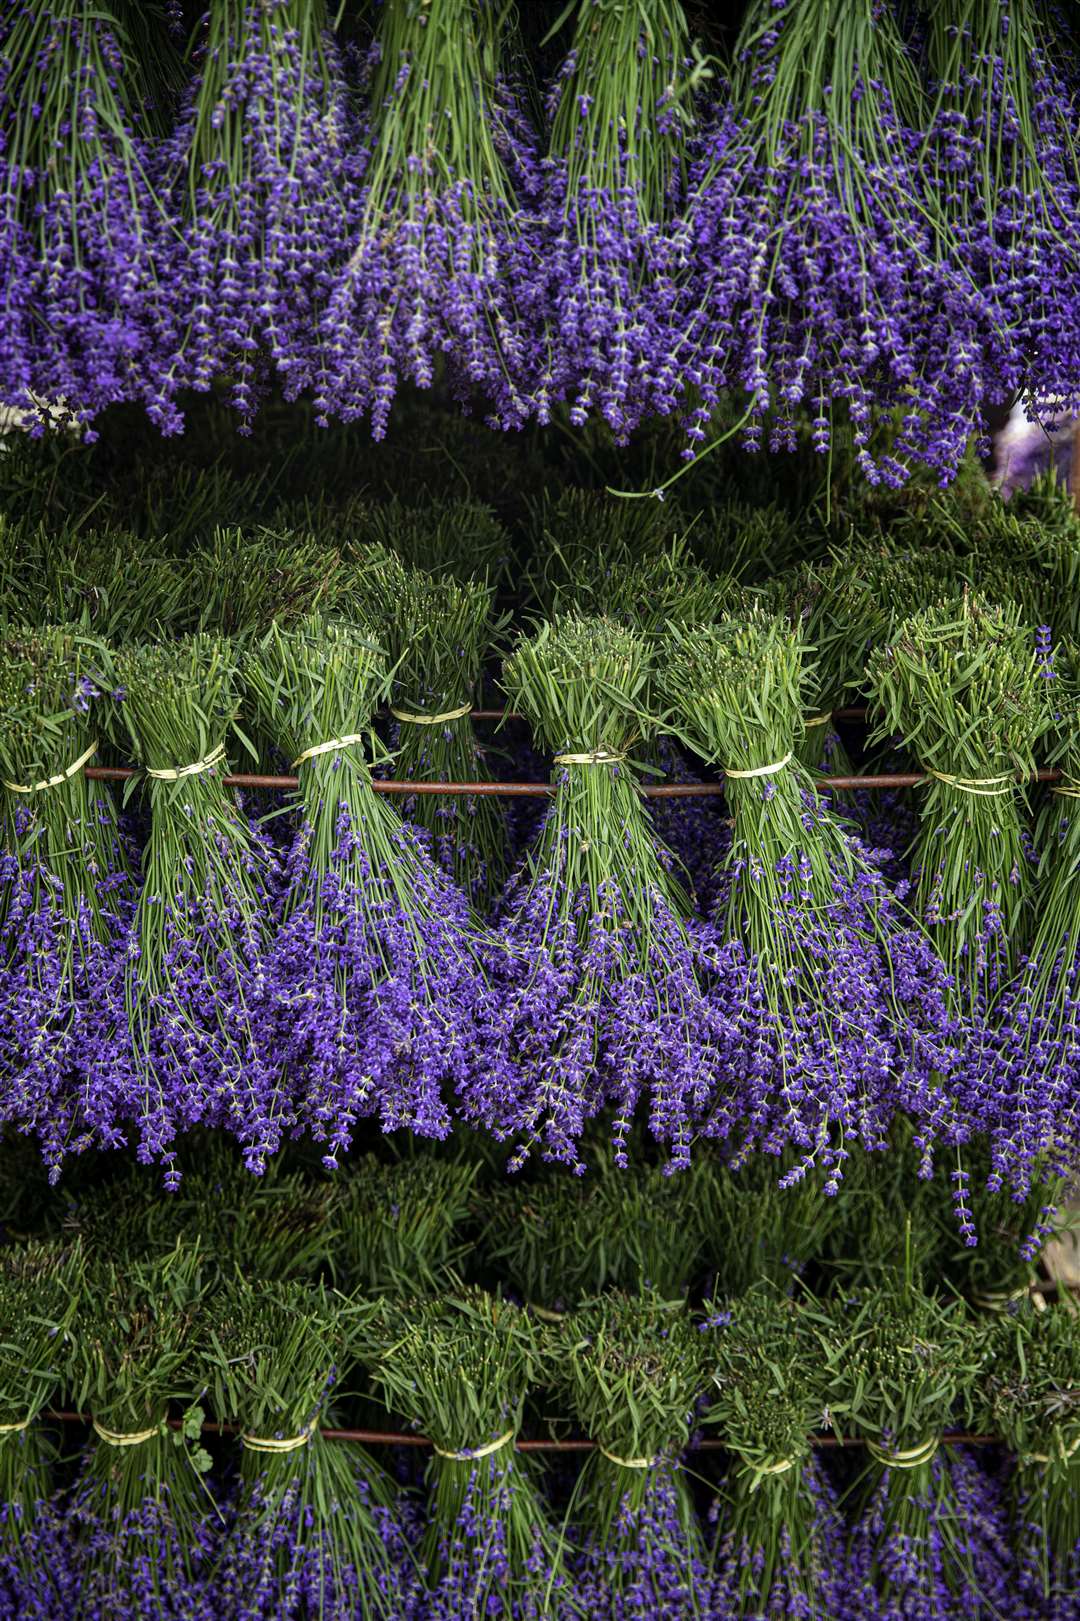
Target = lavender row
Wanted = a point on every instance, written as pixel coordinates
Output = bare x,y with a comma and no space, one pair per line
874,222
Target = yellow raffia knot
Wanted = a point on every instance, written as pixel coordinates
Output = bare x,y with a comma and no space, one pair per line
410,719
593,757
124,1438
333,745
760,770
981,787
913,1458
54,782
468,1454
195,769
271,1443
628,1463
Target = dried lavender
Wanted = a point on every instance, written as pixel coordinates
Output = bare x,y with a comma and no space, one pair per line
145,1529
197,995
595,964
375,974
459,1368
313,1528
629,1368
961,683
441,253
779,1534
264,171
621,108
830,1002
40,1288
903,1364
437,633
66,899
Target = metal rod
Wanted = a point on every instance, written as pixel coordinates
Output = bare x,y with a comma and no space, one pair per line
540,790
393,1438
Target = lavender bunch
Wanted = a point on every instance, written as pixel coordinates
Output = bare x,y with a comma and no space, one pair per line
459,1367
1000,154
144,1527
265,168
197,992
621,110
376,977
437,633
442,535
240,580
313,1529
811,262
756,1230
595,964
961,683
82,229
442,254
398,1227
66,898
629,1368
830,1002
565,1237
109,582
1030,1395
902,1365
39,1296
779,1537
1034,1054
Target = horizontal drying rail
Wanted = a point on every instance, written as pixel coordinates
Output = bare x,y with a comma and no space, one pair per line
541,790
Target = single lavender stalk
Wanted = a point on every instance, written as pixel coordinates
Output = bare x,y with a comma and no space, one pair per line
830,1002
629,1368
144,1527
197,994
779,1533
40,1288
459,1367
313,1529
596,965
66,899
376,975
437,633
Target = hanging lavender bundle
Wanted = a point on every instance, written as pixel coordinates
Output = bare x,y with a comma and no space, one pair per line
266,166
756,1230
398,1227
779,1546
197,999
39,1296
458,1367
830,1003
438,632
813,261
807,597
144,1526
441,251
438,533
595,963
1001,155
83,258
961,683
375,975
621,108
1031,1396
313,1529
629,1368
903,1364
66,899
1034,1054
565,1237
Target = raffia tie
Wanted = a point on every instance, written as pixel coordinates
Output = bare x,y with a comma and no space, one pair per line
593,757
627,1463
410,719
760,770
195,769
817,720
20,1424
468,1454
333,745
1063,1456
122,1438
999,1300
1067,790
913,1458
981,787
289,1443
780,1467
61,776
